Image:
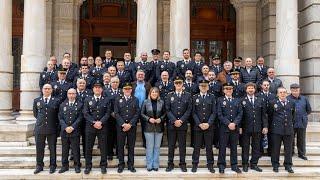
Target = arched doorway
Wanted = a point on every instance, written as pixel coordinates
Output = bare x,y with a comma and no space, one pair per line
213,28
107,24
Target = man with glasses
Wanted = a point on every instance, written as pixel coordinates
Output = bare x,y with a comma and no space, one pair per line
45,110
230,116
111,94
179,109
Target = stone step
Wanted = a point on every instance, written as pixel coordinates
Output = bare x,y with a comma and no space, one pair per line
139,151
202,173
140,162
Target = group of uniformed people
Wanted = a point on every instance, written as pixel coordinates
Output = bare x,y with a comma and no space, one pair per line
226,105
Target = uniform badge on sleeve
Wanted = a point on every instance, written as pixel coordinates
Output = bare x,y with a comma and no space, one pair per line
90,103
197,100
244,102
224,103
275,106
182,65
160,87
38,103
162,66
172,98
120,101
43,76
65,109
55,87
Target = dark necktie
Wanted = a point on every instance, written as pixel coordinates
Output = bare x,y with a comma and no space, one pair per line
283,103
46,100
229,99
71,104
251,101
98,100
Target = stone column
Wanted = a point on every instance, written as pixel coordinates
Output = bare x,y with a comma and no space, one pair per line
246,27
33,57
6,68
146,26
179,27
309,53
287,63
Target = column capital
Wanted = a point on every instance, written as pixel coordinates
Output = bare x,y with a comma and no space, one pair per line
240,3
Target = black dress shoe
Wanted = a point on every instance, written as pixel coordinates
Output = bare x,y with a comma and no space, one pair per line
110,158
221,170
132,169
103,170
120,169
77,169
52,170
183,168
63,169
194,168
87,170
211,169
245,168
37,170
149,169
275,169
236,169
155,169
256,168
303,157
289,169
169,168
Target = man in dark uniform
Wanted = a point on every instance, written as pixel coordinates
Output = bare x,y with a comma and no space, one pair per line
84,74
48,76
127,111
198,64
237,63
230,115
61,86
83,93
165,85
268,97
303,109
145,66
109,61
123,75
167,65
185,64
96,111
215,86
129,66
71,71
111,94
238,86
282,111
70,117
262,67
155,63
190,86
254,122
98,71
204,114
45,110
179,109
216,64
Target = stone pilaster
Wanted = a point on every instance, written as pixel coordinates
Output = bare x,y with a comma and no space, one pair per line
33,57
65,28
146,26
287,63
6,68
179,27
246,27
309,53
268,8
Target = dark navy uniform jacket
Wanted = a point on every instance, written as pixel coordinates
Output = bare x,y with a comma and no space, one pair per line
254,116
168,66
215,88
182,67
178,108
204,110
96,111
126,111
46,115
303,108
47,78
229,112
70,116
146,67
282,117
164,89
60,90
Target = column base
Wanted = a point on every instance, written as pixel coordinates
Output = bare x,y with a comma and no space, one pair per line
25,116
6,116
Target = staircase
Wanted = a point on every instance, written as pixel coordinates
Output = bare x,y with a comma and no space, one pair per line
17,161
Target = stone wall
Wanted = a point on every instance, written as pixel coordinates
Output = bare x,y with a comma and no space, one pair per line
309,52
